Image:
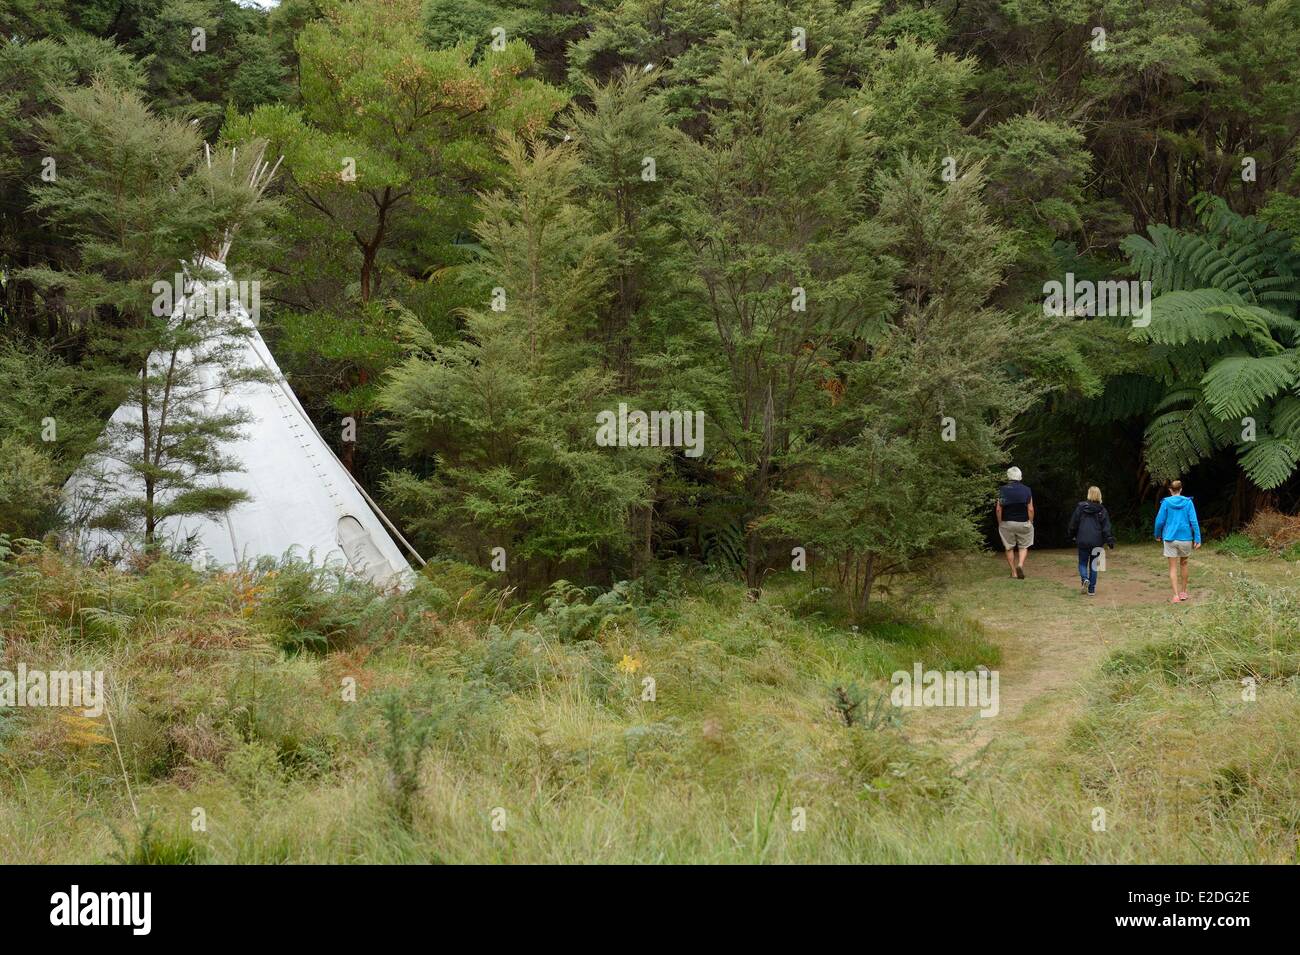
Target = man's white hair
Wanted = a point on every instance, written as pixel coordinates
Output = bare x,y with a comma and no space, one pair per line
1013,474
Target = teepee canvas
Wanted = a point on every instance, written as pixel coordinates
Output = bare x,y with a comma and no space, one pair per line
299,499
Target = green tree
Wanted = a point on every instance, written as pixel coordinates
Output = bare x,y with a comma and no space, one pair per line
690,40
629,154
381,162
787,266
198,55
32,76
1172,98
163,446
908,444
508,413
1035,171
142,201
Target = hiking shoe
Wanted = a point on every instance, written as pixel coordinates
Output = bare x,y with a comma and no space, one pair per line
1083,586
1182,595
1020,573
1092,593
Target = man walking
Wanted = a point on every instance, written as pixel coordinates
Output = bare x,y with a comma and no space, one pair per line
1016,521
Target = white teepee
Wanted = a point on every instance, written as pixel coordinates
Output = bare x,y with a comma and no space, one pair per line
301,502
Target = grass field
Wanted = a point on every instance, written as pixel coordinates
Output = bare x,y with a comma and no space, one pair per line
276,716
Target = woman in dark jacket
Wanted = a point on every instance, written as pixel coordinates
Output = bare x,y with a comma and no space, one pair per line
1090,528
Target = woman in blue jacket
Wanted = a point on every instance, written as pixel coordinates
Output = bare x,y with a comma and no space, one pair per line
1177,526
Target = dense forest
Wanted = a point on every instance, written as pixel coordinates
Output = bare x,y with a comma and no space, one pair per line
682,349
846,236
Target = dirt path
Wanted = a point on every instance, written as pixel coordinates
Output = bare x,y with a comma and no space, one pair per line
1052,637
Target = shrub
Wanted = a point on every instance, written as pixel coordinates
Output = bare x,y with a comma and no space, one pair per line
147,846
857,707
255,769
507,662
573,613
281,707
1273,531
405,739
28,490
1239,545
309,609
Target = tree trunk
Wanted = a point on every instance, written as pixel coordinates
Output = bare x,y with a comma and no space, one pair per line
868,579
760,482
368,254
753,557
349,456
1245,499
642,548
146,432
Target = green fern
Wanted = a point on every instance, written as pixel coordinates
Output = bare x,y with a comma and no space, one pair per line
1268,461
1285,420
1178,438
1125,396
1237,384
723,544
1223,342
1198,315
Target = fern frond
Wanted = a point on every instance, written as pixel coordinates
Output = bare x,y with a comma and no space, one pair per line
1235,254
1258,324
1177,366
1285,420
1125,396
1178,439
1224,337
1178,318
1238,383
1269,461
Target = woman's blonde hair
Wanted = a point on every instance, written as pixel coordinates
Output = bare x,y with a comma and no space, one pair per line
1094,494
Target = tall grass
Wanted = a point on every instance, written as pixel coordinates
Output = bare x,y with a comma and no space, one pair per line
484,732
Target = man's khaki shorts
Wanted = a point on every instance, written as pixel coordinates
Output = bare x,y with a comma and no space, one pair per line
1178,548
1016,534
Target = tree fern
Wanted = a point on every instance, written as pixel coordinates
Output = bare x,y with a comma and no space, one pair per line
1239,383
1285,421
1198,315
1223,340
1179,437
1125,396
1180,366
1269,461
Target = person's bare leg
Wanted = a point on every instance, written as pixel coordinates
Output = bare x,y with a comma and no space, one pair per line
1182,566
1173,574
1011,561
1024,553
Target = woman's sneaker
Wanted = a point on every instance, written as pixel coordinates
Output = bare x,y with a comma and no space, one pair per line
1175,599
1083,586
1182,595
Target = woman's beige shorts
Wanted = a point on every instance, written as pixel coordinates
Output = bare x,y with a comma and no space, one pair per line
1178,548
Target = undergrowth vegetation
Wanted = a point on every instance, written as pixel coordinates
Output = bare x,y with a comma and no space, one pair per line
281,714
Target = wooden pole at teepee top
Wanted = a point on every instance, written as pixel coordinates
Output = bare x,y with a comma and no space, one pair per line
260,175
